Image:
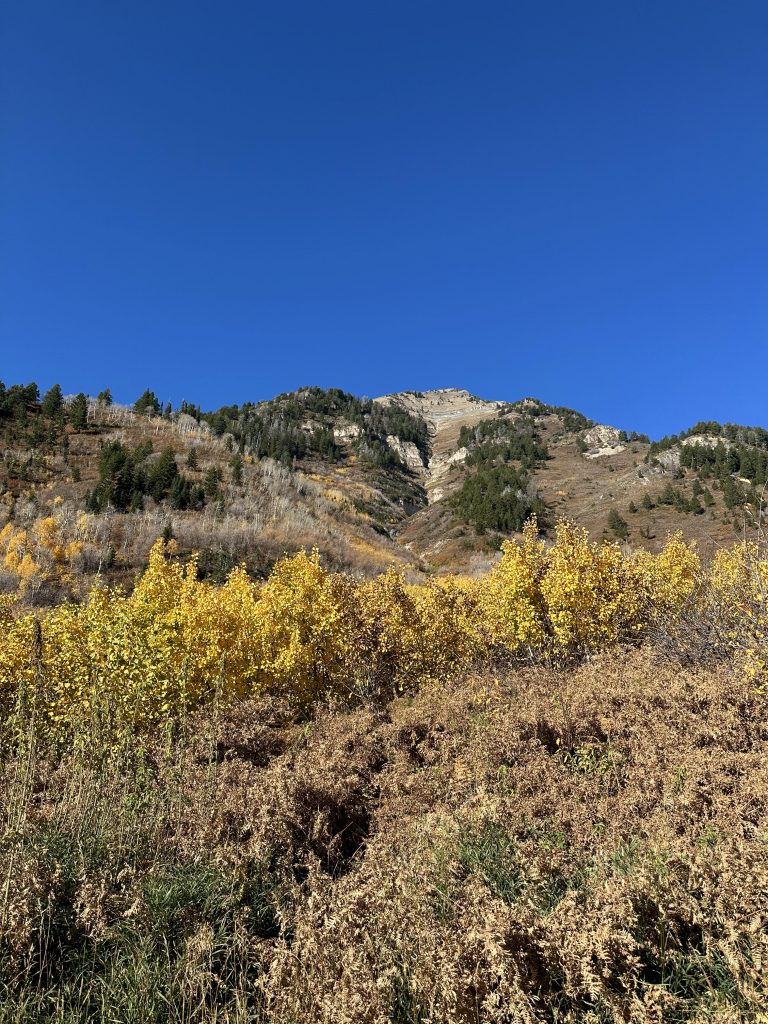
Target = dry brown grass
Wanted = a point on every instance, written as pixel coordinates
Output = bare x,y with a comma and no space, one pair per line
589,845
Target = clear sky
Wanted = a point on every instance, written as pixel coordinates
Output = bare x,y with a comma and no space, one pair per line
226,200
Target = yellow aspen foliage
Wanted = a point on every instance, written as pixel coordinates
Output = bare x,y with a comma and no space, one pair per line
84,526
29,572
299,628
578,596
47,532
739,593
668,579
41,554
12,560
512,602
15,546
306,633
451,631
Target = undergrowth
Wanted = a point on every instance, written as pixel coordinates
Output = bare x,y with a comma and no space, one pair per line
550,845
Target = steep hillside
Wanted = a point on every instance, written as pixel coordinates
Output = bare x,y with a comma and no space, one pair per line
80,497
428,481
495,464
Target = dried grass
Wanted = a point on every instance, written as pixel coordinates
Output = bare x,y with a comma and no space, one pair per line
589,845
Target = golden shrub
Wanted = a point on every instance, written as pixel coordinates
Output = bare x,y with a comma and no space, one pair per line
307,633
577,596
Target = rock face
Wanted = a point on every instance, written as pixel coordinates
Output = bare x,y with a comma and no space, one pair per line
708,440
408,453
440,465
602,440
460,455
443,405
669,460
445,411
346,432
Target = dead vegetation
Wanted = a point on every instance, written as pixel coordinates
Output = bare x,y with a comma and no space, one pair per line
270,511
587,845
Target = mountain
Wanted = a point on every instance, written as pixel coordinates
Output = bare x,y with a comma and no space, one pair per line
492,463
424,481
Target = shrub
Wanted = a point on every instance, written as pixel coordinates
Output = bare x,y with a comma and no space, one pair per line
307,634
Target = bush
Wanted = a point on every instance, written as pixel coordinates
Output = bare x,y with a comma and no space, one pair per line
306,633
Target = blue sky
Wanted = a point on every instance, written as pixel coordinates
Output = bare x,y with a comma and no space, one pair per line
227,200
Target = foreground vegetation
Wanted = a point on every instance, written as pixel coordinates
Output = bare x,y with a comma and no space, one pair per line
307,634
580,845
541,796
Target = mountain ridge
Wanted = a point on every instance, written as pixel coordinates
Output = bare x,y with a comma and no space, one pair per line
427,481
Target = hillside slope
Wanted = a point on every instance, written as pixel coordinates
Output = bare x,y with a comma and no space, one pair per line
426,481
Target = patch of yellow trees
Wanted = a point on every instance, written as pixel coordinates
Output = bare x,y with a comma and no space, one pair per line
36,554
306,633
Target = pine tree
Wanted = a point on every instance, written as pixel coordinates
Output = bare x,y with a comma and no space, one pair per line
618,525
147,404
78,412
162,475
211,482
53,401
104,398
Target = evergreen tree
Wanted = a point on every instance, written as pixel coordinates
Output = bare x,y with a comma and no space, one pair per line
104,398
78,412
497,498
181,494
53,401
147,404
211,482
618,525
118,479
162,475
732,493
